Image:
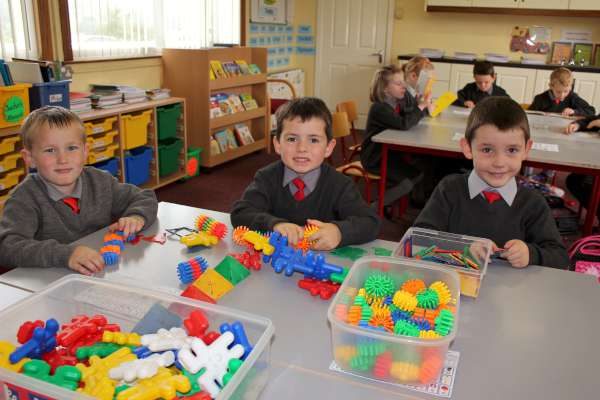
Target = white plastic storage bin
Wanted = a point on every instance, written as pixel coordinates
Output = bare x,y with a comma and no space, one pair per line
127,305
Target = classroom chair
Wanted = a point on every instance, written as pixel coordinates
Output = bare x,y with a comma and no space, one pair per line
274,103
349,107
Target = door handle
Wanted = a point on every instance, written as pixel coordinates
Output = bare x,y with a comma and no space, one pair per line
379,55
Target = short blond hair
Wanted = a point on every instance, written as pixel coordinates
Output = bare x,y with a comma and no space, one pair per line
561,76
54,116
416,65
381,80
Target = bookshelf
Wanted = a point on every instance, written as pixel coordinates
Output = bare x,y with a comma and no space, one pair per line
186,73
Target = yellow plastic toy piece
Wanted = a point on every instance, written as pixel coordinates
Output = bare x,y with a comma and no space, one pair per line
443,102
5,349
103,388
429,334
442,290
97,372
122,338
199,239
404,372
405,300
260,242
213,284
161,386
344,354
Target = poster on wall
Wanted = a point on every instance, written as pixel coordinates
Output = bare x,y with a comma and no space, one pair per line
268,11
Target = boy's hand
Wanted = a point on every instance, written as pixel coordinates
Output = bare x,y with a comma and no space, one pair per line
129,225
594,124
327,237
517,253
469,104
572,127
86,261
292,232
568,112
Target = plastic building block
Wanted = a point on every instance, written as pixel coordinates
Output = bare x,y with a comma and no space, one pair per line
26,330
199,239
204,223
161,386
210,337
83,331
98,368
259,242
315,287
42,341
98,349
214,358
174,338
339,278
352,253
66,376
59,357
232,270
193,292
6,348
249,259
381,251
161,238
142,369
213,284
190,270
238,237
112,247
239,334
155,318
232,368
103,389
196,323
122,338
195,389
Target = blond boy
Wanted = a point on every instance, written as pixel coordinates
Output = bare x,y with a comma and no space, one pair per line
560,97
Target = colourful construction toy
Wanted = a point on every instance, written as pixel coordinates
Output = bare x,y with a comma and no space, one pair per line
65,376
113,246
209,225
190,270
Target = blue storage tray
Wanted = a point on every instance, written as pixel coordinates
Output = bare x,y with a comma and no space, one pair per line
49,94
111,166
137,165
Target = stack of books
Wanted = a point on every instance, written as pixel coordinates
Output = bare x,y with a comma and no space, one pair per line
461,55
132,95
158,93
80,102
496,58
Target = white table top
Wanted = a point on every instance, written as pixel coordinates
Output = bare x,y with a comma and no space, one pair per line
10,295
532,333
580,149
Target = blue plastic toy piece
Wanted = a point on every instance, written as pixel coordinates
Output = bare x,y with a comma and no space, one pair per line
239,334
129,238
186,271
110,258
421,323
42,341
142,352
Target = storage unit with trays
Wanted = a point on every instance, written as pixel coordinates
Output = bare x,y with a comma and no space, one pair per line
12,169
198,87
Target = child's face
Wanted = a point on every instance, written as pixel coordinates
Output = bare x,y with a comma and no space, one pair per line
497,155
559,91
59,155
484,82
396,87
303,145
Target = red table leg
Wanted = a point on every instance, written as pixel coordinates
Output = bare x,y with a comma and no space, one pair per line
592,207
383,175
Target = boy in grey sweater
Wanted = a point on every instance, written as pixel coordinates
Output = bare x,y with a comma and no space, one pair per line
65,201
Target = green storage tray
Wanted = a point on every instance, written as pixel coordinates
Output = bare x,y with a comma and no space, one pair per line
168,155
167,120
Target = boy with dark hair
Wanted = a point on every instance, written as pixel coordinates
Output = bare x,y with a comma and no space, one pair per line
301,188
487,202
560,98
484,86
64,201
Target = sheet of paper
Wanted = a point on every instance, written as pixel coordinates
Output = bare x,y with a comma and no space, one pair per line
457,136
545,147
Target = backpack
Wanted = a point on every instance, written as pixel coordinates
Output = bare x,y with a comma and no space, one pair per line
585,256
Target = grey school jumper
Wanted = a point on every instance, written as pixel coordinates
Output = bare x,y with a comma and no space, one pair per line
36,231
450,209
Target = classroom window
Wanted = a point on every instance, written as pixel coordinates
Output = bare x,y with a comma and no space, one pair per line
17,29
116,28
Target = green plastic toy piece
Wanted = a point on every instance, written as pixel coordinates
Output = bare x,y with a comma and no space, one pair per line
425,251
407,353
352,253
120,388
339,278
382,251
372,349
366,313
406,328
232,270
428,298
380,285
362,363
65,376
193,378
99,349
444,322
232,367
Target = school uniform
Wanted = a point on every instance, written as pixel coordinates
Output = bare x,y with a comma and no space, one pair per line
472,93
548,103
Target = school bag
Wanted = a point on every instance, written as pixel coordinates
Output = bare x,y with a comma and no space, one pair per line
585,256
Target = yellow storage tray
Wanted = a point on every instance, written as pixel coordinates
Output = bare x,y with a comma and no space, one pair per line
98,142
134,128
99,126
8,144
14,104
9,162
103,154
11,179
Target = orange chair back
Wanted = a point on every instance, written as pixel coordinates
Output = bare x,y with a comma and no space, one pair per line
340,125
350,108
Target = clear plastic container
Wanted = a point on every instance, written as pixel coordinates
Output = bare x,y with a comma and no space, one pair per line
410,360
127,305
417,240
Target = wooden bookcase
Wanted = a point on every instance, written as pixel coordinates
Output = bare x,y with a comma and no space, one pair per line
186,73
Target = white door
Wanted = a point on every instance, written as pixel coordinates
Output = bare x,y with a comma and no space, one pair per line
518,83
584,5
497,3
546,4
452,3
542,80
460,75
587,86
354,38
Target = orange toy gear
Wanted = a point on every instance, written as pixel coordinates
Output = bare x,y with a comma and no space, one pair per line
204,223
413,286
238,236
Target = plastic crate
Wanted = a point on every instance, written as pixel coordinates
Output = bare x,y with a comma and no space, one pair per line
95,156
168,156
111,166
9,162
8,144
409,360
99,141
168,118
14,104
99,126
49,94
418,239
134,129
127,306
137,165
10,179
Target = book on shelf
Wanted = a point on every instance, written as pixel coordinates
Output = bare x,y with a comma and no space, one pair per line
243,134
214,147
223,102
243,66
158,93
80,102
217,69
231,68
231,142
215,110
221,137
211,74
248,101
235,103
253,68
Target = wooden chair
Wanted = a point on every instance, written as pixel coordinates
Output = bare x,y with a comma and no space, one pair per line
273,104
349,107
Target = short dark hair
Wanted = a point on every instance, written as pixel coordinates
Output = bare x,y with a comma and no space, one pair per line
502,112
304,108
54,116
483,68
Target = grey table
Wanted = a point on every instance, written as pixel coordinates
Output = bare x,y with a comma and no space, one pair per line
440,137
10,295
532,333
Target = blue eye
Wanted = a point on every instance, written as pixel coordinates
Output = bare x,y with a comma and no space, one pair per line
73,147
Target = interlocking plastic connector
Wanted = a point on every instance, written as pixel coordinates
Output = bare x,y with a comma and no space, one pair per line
259,242
196,323
163,339
323,289
123,338
6,348
161,386
59,357
239,334
190,270
142,369
66,376
213,284
26,330
42,341
232,270
83,327
193,292
98,367
232,368
112,247
199,239
204,223
250,259
98,349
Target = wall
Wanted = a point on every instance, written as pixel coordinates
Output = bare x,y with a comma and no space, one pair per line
477,33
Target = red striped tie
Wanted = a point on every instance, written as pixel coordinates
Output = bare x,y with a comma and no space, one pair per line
299,183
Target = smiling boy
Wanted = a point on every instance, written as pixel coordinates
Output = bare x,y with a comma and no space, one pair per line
301,189
487,202
484,86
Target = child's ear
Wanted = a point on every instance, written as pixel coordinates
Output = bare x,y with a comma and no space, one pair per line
276,145
466,148
330,147
528,146
29,162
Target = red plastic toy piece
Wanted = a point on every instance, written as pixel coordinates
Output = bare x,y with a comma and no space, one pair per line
210,337
196,323
249,259
197,396
323,289
59,357
383,365
161,238
84,331
26,330
136,239
194,293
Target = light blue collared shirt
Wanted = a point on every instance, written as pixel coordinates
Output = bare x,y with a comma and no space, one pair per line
310,180
478,185
56,194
